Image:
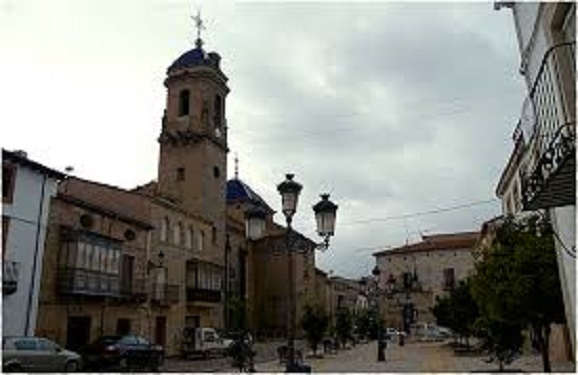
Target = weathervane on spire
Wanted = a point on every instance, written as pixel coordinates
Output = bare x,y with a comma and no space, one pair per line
200,25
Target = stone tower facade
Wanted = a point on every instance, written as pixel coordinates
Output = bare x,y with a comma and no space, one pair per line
193,142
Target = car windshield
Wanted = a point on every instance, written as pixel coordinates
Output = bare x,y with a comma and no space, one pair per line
108,340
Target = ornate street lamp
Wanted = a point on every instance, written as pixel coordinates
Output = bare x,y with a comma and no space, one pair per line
325,212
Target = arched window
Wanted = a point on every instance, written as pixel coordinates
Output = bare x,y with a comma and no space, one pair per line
218,110
177,231
201,239
189,238
184,102
165,224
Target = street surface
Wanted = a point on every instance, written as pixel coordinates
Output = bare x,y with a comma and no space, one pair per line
413,357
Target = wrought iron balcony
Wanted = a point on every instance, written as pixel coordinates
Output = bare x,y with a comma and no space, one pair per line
550,129
10,276
165,294
203,295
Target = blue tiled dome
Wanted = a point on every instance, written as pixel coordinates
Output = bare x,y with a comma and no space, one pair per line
193,57
238,191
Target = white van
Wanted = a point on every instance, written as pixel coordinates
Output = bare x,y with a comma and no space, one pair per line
204,341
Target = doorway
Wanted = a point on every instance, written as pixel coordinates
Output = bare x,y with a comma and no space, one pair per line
161,330
77,332
123,327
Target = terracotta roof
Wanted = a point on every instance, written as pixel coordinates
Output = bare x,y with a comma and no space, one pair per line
447,241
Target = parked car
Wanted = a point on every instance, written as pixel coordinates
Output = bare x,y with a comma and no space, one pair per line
37,354
123,352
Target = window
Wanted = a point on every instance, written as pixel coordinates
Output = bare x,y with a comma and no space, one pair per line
5,227
449,281
47,345
128,340
189,238
177,231
216,172
164,228
218,104
184,102
25,344
8,182
214,234
201,240
180,174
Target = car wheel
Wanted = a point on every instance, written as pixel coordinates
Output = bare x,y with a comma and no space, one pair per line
72,366
123,363
157,362
14,367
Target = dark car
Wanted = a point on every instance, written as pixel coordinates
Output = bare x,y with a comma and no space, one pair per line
123,353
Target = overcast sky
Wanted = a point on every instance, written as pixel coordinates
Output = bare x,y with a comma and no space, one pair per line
393,108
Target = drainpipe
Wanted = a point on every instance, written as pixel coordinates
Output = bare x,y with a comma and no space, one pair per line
35,260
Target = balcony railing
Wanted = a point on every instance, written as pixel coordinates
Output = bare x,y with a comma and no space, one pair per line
165,294
549,129
10,276
203,295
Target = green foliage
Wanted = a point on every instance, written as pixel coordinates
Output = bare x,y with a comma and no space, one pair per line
315,323
517,280
458,310
366,324
343,325
503,340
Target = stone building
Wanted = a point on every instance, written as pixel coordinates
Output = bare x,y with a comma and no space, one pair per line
172,253
413,275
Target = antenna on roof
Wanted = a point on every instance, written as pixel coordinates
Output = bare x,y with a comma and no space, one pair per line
236,166
200,25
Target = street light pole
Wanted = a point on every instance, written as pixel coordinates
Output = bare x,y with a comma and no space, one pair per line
380,340
325,211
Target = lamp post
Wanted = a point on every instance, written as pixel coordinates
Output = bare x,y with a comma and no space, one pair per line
380,339
325,212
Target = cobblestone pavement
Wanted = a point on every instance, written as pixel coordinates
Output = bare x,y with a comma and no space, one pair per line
413,357
266,352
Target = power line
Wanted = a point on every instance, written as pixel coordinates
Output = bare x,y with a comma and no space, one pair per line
423,213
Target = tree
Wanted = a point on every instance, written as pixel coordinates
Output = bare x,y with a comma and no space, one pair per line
343,325
314,322
458,310
517,281
366,323
503,340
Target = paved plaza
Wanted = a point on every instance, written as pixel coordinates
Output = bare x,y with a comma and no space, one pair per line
411,358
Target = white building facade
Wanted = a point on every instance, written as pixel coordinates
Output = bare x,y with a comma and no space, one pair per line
547,128
27,188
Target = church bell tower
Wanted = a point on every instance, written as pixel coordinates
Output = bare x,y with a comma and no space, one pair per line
193,141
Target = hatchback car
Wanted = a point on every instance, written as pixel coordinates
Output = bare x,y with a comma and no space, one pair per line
37,354
123,353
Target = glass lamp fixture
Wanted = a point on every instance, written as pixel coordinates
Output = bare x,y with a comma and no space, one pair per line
289,191
255,222
325,211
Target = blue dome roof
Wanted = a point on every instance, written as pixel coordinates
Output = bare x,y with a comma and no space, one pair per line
238,191
193,57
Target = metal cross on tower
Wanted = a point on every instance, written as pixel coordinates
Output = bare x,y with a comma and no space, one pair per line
200,25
